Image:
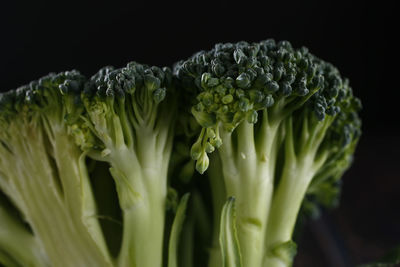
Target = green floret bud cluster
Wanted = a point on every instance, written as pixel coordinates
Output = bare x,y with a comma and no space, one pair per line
96,171
132,93
233,82
279,119
55,92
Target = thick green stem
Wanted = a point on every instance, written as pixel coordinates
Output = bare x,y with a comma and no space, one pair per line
286,204
219,199
19,242
300,166
142,236
142,192
251,184
45,209
143,223
253,201
78,195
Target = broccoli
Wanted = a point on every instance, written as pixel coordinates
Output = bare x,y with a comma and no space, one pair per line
273,127
278,123
43,173
128,122
124,117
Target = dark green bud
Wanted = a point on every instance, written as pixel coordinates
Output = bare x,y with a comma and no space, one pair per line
202,163
220,89
252,74
259,71
218,69
288,57
268,101
209,148
262,80
333,92
244,104
223,109
311,70
265,61
239,56
196,150
216,142
206,98
252,117
304,50
318,81
286,89
189,67
290,78
243,81
151,82
303,64
278,72
271,87
227,99
160,74
73,85
205,77
228,83
130,86
280,54
256,96
331,111
320,112
159,95
212,82
302,89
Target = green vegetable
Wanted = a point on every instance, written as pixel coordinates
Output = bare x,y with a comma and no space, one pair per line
273,127
128,122
282,122
43,173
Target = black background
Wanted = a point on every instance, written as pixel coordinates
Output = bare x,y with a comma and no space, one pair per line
42,36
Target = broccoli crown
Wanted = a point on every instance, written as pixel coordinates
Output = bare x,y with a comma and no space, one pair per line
54,96
232,82
143,82
119,101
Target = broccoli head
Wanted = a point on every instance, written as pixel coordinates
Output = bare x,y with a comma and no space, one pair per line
277,121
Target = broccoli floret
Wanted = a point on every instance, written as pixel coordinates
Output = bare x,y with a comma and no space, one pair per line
128,122
276,121
43,173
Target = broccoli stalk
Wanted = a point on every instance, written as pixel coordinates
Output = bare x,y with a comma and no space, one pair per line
218,193
314,152
127,124
17,241
42,172
279,118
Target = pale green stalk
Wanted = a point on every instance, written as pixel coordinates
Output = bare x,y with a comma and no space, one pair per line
43,204
141,182
249,179
18,242
300,166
